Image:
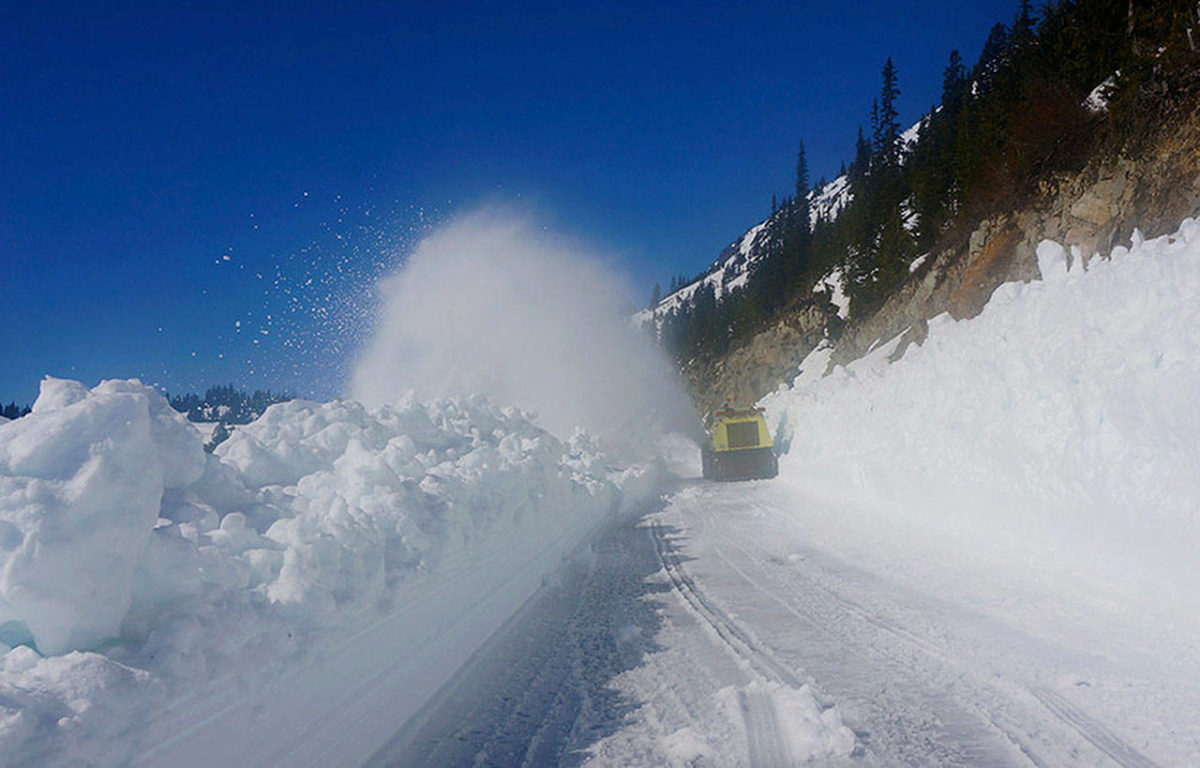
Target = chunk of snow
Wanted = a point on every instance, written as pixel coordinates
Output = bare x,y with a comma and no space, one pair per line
1052,260
55,393
81,481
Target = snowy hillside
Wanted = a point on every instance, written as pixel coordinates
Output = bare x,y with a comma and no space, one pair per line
732,268
162,606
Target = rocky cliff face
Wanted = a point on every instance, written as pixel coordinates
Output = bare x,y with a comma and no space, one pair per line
750,371
1151,188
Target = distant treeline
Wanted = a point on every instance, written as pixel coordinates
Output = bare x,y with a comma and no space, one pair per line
227,404
1014,118
14,411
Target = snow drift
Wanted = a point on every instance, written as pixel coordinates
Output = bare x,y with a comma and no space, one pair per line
291,599
1052,439
494,304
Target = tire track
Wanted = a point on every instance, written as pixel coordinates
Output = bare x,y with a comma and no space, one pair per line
1003,721
1099,736
738,641
766,742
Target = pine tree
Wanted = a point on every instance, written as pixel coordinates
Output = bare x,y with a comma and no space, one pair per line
801,204
862,157
876,132
655,296
952,83
888,130
1023,25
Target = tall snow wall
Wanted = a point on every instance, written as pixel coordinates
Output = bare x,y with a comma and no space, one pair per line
1054,436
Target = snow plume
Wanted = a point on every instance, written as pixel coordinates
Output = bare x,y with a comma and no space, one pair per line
492,303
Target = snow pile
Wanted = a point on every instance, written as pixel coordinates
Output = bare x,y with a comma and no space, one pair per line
81,485
1053,436
293,597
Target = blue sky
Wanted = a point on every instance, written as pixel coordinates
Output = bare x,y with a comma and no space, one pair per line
205,195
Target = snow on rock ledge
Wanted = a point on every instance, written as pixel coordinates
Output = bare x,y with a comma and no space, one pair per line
324,545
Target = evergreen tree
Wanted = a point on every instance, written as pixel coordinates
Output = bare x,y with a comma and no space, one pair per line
655,296
876,133
1023,25
992,58
888,130
802,206
953,78
862,157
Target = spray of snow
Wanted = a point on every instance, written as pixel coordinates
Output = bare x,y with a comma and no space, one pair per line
493,304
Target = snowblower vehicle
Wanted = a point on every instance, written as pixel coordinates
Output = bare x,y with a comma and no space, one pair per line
739,446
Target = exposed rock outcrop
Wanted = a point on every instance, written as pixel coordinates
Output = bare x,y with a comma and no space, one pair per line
757,367
1151,189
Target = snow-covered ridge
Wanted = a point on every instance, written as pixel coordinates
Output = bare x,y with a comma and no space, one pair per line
293,597
732,269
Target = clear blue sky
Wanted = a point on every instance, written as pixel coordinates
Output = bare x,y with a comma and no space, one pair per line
204,195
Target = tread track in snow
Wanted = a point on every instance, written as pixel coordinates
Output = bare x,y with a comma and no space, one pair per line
765,739
1099,736
1006,709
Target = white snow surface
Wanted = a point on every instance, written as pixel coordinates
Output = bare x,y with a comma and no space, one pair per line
289,600
1046,447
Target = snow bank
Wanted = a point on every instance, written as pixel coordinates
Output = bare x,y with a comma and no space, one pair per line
81,480
1053,436
290,599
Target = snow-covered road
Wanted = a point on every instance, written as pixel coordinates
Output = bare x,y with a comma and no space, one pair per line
713,631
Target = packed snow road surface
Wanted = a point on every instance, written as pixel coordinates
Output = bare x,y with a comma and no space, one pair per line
712,633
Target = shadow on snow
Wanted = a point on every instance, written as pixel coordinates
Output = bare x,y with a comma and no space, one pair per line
540,691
